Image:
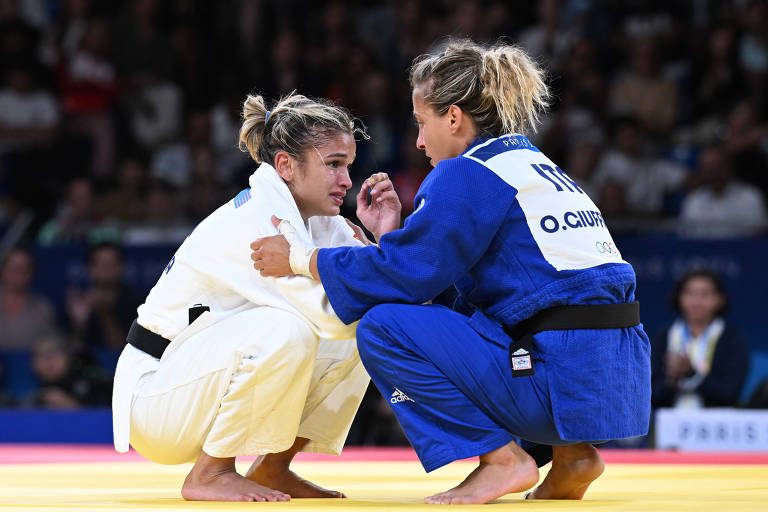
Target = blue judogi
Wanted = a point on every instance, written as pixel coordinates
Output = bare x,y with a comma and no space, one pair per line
511,234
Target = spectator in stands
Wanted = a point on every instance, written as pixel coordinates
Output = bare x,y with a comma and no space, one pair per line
29,118
101,314
18,38
65,381
643,92
722,207
549,40
125,203
700,360
29,114
89,88
747,145
645,179
163,220
173,163
205,193
24,315
753,47
77,220
720,76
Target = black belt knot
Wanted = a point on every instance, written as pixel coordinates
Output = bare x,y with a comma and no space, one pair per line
562,318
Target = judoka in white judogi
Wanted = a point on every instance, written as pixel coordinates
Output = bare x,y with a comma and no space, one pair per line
269,362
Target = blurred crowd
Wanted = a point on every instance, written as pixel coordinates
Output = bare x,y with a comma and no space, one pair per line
118,126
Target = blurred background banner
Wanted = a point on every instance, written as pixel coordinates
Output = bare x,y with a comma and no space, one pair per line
118,130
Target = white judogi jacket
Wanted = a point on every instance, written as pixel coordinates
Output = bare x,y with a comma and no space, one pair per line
212,267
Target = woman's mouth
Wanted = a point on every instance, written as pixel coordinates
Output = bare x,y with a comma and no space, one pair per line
338,199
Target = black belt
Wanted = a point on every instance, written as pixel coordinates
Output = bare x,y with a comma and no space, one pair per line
146,340
152,343
591,316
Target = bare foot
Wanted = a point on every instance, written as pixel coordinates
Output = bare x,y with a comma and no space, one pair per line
285,480
573,469
215,479
502,471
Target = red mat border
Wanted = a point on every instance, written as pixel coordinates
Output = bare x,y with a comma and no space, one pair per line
60,453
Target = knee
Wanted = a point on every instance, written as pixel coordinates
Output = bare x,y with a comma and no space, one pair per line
374,329
377,316
302,346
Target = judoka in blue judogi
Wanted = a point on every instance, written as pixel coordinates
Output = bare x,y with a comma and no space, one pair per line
502,310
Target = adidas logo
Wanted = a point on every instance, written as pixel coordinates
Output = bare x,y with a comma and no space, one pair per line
398,396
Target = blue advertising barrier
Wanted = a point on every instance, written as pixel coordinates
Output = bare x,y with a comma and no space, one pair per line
92,426
657,260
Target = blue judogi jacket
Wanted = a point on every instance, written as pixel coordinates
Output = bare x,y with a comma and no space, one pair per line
514,235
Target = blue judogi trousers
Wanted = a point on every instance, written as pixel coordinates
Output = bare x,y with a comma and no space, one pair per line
451,389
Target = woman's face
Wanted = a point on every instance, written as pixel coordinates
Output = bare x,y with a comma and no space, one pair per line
699,300
17,271
436,137
320,181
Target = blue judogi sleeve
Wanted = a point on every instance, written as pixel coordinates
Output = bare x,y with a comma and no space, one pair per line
459,208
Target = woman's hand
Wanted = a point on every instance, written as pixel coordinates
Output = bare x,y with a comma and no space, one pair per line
271,256
677,366
284,254
359,233
383,214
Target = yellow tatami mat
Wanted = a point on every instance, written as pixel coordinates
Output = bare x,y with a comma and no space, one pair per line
382,485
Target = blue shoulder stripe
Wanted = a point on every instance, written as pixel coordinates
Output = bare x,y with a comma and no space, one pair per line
501,145
242,198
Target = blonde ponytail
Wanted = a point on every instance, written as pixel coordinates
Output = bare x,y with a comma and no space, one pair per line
500,87
515,85
293,123
252,129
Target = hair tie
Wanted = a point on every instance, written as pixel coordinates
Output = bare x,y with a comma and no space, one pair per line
266,118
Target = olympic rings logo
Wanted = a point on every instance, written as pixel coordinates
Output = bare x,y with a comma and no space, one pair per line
607,248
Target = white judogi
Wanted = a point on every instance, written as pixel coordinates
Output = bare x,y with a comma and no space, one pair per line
271,360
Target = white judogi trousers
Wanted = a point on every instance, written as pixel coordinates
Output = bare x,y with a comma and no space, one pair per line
246,385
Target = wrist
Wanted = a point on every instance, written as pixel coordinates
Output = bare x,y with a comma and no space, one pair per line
299,258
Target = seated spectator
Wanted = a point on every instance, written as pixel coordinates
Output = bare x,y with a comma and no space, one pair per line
642,91
163,220
89,88
102,314
174,163
747,145
65,381
722,207
700,360
645,180
125,202
29,114
205,192
24,315
29,119
77,220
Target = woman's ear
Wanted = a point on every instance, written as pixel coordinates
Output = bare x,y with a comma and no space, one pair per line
284,166
455,118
